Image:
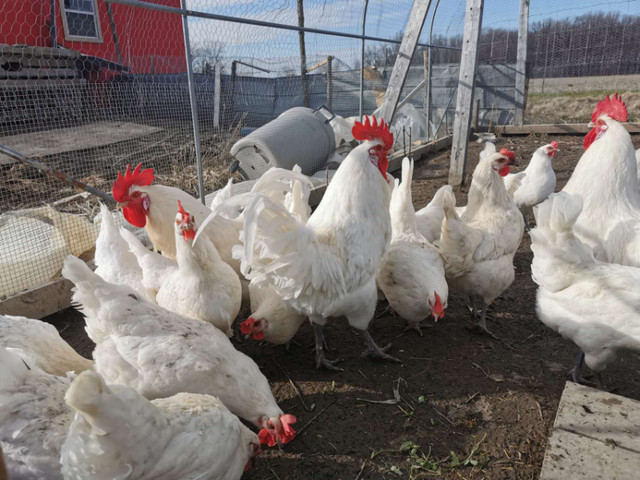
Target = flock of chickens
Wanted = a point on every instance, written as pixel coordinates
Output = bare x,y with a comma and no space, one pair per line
163,395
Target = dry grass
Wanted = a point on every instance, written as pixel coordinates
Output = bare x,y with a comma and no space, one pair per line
574,107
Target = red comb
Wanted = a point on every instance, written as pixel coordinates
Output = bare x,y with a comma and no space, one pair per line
122,184
614,107
554,144
373,131
507,153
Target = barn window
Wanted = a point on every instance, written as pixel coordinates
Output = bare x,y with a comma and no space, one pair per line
80,20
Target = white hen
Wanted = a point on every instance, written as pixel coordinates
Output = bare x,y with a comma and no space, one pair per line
429,218
117,433
160,353
156,268
539,180
203,287
114,262
42,342
411,273
33,417
594,304
273,319
478,248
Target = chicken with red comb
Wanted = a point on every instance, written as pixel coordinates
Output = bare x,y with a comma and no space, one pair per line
478,247
606,178
326,266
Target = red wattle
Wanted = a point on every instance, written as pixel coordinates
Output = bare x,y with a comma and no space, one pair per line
188,234
504,171
258,336
134,216
246,327
265,437
590,138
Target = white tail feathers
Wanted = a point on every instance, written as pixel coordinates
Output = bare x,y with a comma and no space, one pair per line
135,245
559,212
14,367
85,392
76,271
438,198
512,182
489,149
449,203
106,219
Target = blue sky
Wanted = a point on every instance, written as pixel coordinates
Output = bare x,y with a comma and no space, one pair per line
278,49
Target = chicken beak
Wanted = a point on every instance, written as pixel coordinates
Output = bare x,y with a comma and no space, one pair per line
591,125
120,205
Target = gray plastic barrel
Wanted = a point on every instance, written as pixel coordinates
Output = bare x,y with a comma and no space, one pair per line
299,136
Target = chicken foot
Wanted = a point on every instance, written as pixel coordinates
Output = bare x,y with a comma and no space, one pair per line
417,327
576,373
374,351
321,360
481,325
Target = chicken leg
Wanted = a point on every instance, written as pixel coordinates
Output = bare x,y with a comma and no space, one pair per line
481,325
374,351
576,373
321,360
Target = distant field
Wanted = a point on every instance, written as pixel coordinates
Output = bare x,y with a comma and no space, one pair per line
571,100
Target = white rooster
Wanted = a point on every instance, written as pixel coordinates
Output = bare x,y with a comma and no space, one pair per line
33,417
117,433
478,248
573,287
606,178
160,353
203,287
42,342
326,267
411,274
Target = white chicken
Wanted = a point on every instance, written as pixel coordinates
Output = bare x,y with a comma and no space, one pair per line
429,218
272,319
326,267
478,248
539,179
155,267
203,287
160,353
117,433
33,417
606,178
573,287
42,342
638,163
411,273
114,262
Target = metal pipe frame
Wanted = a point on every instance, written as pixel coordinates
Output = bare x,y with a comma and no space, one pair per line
429,73
261,23
194,102
364,26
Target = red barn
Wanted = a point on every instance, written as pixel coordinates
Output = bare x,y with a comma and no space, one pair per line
111,37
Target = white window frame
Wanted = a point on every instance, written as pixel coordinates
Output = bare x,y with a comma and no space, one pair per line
96,19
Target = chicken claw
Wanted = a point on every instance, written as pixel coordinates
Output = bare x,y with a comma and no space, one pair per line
374,351
321,360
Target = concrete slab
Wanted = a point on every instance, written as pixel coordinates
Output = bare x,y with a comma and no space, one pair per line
61,140
596,435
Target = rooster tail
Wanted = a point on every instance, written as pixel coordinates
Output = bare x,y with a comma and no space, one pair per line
448,200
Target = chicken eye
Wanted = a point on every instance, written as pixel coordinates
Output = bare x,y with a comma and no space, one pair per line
135,194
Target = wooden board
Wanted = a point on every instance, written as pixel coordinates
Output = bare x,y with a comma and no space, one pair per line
464,100
521,63
596,435
51,142
555,129
403,60
39,302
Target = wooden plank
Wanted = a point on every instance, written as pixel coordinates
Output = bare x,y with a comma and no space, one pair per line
39,302
555,129
38,73
38,62
464,101
520,96
403,60
595,435
46,52
570,456
61,140
50,83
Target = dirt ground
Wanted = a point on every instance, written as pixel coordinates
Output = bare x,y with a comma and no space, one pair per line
470,407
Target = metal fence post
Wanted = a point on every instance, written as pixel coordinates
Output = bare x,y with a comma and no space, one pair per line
329,81
217,85
364,26
193,100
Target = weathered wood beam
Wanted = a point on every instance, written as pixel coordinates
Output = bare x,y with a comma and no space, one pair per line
521,64
555,129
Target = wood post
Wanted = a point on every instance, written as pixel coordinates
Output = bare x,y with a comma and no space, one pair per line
466,80
521,64
303,56
403,60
